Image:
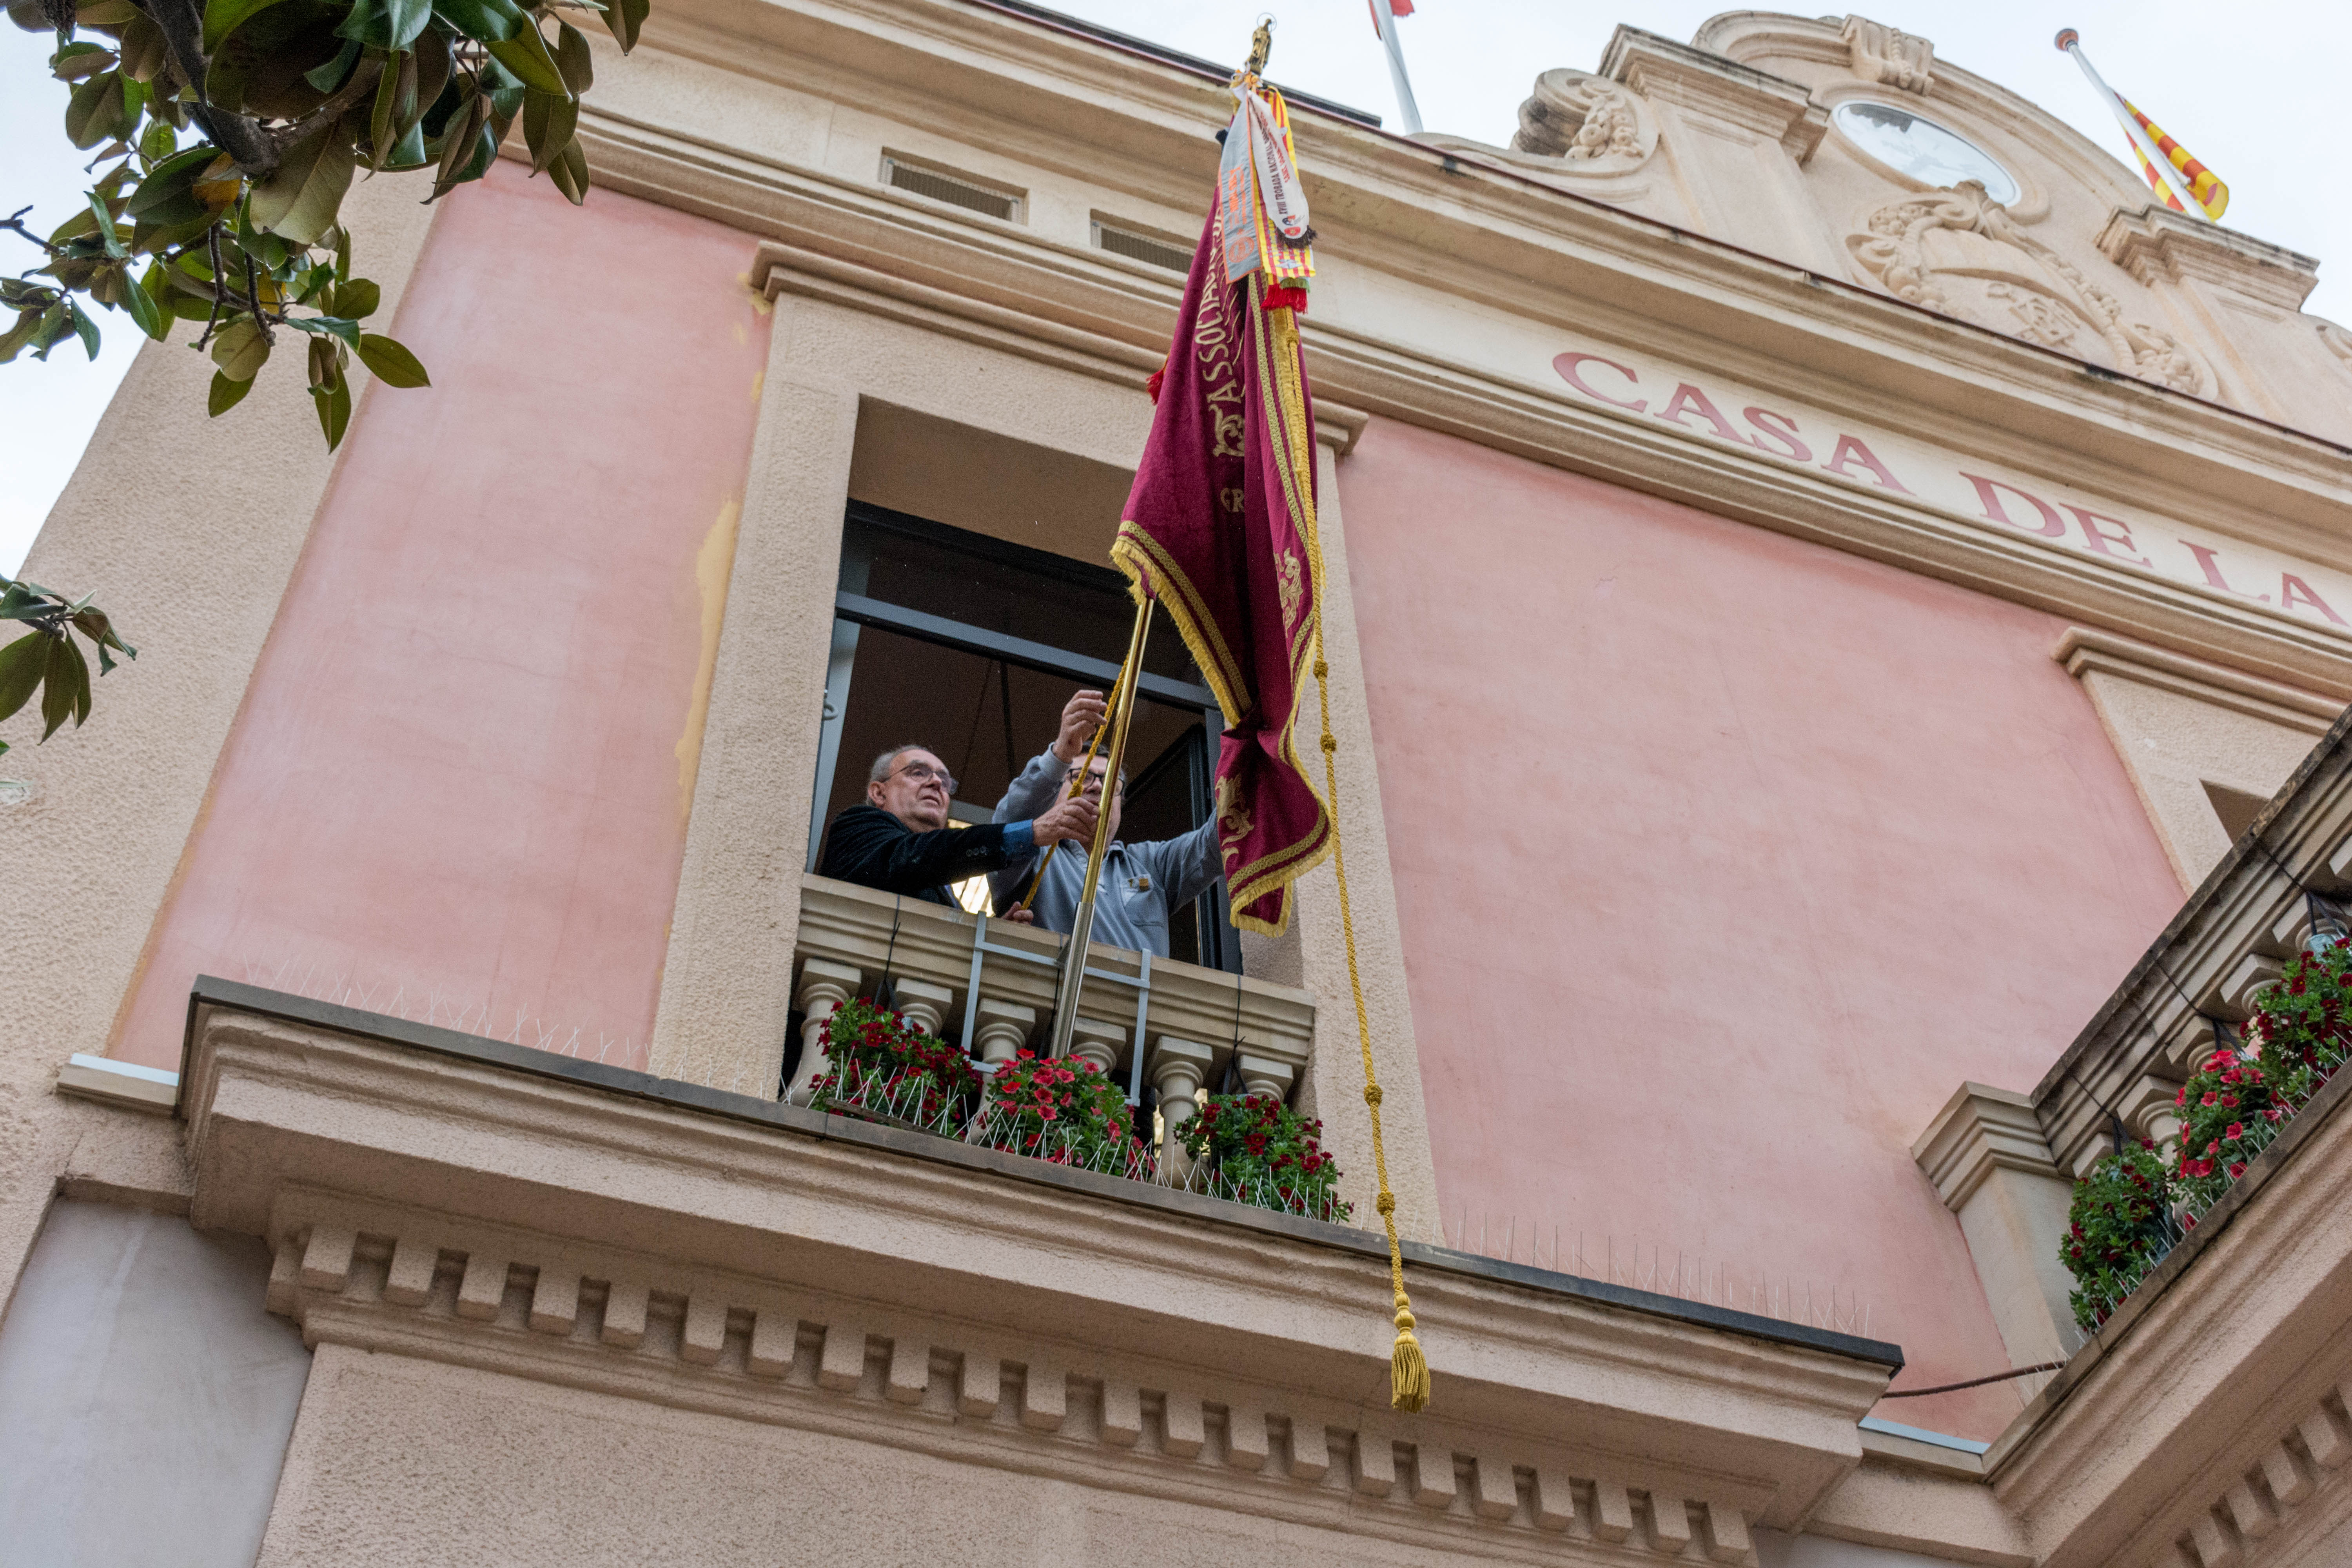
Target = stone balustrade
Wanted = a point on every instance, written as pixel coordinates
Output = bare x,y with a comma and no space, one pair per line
990,985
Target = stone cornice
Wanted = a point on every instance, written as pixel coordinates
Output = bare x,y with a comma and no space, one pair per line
1667,72
2081,651
458,1198
2155,242
1396,204
881,251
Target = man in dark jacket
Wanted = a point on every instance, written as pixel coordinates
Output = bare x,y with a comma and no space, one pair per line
899,841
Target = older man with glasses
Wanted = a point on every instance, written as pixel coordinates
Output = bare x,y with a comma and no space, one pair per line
899,840
1142,884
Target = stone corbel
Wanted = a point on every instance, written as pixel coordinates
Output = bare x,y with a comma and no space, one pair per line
1992,1163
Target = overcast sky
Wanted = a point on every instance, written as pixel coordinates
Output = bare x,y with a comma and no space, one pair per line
2249,88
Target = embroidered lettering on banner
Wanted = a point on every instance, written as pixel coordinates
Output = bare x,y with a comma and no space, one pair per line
1232,822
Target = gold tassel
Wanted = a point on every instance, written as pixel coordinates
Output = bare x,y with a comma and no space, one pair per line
1408,1368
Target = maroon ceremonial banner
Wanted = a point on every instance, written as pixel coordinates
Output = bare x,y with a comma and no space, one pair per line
1220,529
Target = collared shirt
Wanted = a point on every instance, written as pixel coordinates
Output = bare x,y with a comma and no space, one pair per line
1142,884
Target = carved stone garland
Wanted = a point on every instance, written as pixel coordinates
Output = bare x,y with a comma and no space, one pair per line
1958,252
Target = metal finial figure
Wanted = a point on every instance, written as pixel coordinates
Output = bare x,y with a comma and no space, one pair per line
1261,45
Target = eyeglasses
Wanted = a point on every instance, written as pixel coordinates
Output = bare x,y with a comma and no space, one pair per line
923,774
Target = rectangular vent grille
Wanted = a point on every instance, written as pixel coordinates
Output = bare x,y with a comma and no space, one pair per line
953,189
1137,245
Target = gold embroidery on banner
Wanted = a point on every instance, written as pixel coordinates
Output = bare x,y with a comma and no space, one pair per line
1233,500
1139,555
1286,575
1228,432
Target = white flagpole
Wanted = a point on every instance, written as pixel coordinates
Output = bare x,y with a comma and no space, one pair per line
1407,109
2070,41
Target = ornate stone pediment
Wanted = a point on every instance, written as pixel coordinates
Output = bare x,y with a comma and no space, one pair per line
1882,54
1587,119
1958,252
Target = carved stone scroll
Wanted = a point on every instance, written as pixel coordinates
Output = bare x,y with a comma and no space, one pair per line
1884,55
1959,253
1580,118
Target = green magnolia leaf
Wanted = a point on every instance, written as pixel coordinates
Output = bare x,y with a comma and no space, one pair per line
99,628
327,326
334,406
625,19
76,61
300,200
21,664
527,56
104,13
167,195
354,299
549,121
570,172
144,51
86,328
489,21
572,58
144,311
223,18
95,109
28,322
331,76
225,395
394,365
240,349
104,228
457,141
65,685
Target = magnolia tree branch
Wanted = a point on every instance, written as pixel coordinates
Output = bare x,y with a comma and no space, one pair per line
240,136
15,224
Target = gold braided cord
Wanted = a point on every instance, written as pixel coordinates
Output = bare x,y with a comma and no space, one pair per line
1409,1369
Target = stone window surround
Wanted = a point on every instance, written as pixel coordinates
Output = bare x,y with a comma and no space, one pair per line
728,980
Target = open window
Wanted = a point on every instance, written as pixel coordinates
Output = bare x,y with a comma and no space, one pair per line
970,646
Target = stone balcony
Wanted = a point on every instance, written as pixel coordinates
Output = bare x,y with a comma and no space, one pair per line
1145,1022
2205,1424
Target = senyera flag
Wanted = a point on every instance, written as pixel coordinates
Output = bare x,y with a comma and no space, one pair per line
2186,184
1219,526
1396,8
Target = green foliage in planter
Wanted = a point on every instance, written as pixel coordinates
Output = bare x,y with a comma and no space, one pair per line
2228,1115
1064,1111
2302,1029
2116,1229
1262,1152
879,1065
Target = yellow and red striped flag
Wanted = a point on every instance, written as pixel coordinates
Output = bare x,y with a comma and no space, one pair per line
2186,184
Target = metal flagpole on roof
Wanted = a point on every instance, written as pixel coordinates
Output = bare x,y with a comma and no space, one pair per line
1384,18
2153,158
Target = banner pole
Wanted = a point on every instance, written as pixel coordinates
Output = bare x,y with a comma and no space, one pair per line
1073,976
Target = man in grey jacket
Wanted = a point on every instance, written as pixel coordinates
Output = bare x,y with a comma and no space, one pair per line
1142,884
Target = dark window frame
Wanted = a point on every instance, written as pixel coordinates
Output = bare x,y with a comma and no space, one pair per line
854,609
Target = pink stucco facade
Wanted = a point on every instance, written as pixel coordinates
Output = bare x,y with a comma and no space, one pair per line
458,787
1721,858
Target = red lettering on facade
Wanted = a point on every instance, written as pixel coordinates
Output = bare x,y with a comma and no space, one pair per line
1798,451
1689,399
2105,543
2212,570
2294,591
1566,364
1850,449
2053,525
